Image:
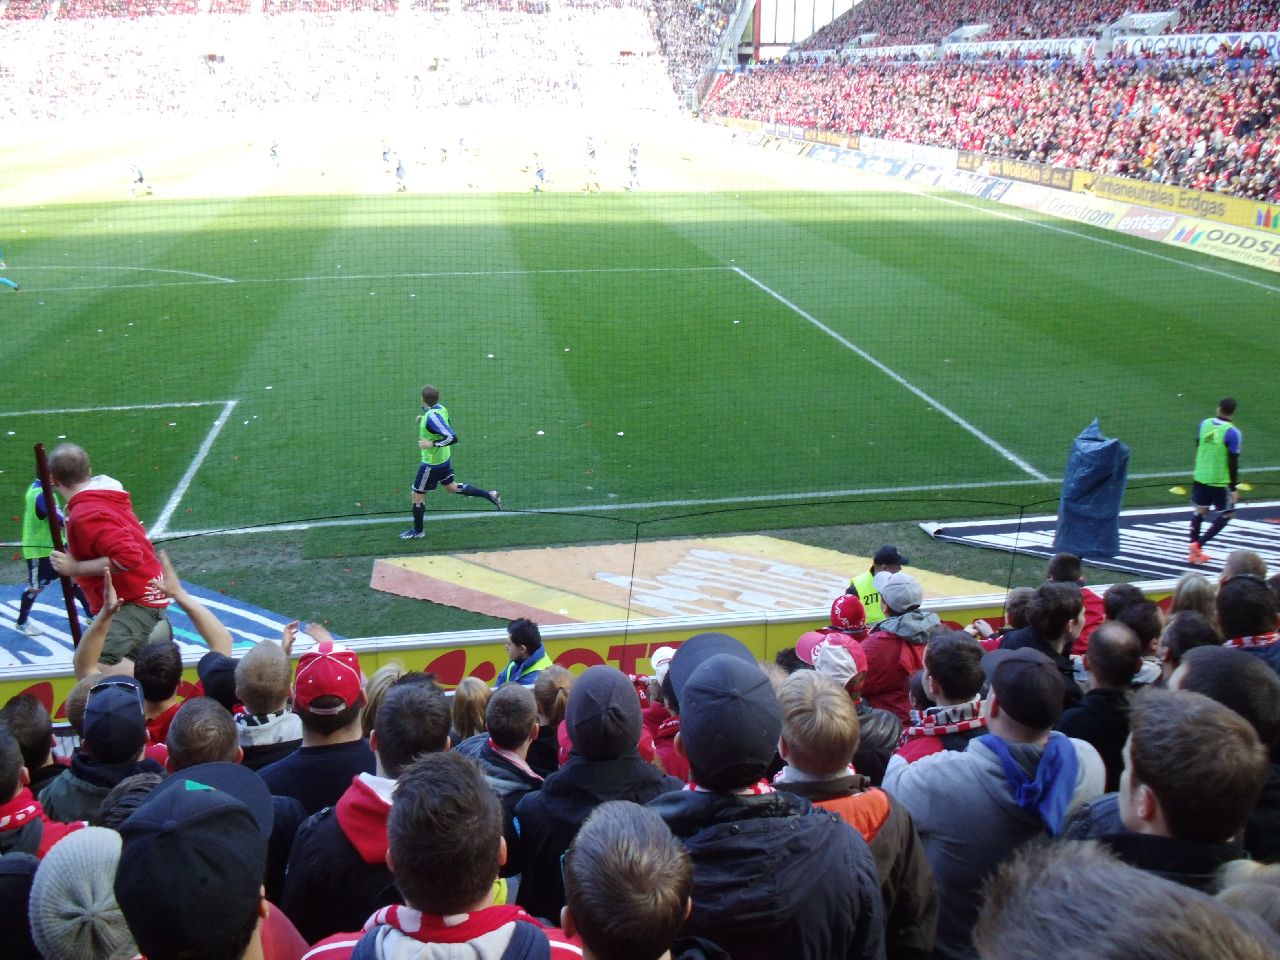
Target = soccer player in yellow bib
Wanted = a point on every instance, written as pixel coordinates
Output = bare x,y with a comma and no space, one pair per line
435,437
1216,473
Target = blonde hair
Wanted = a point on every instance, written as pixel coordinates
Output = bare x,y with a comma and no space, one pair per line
469,702
375,691
1195,592
551,692
819,723
263,678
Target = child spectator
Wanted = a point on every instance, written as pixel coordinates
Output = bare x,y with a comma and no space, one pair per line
628,884
551,693
820,736
158,670
267,729
469,702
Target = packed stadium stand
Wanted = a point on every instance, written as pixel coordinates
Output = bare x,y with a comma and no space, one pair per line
1204,126
929,22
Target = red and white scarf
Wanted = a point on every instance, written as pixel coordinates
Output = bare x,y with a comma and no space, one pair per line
940,721
1259,640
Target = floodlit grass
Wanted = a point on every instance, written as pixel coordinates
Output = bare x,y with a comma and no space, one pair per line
603,354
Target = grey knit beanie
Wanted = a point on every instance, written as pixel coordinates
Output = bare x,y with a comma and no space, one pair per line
73,910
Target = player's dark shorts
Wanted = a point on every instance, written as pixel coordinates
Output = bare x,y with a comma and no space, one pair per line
1215,498
40,573
429,477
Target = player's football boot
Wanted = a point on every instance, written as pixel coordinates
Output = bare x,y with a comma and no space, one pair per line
1196,555
495,498
412,534
29,628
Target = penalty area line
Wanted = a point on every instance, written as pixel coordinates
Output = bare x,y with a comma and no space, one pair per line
115,409
162,522
896,377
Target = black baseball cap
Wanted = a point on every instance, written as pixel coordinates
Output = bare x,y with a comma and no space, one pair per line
1028,684
888,555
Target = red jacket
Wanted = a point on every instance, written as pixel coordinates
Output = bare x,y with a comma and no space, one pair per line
895,650
101,523
1095,612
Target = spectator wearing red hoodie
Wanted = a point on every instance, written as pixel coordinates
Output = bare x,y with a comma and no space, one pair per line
445,848
24,828
895,649
105,535
661,720
338,875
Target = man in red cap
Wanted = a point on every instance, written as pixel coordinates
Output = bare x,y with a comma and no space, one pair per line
328,692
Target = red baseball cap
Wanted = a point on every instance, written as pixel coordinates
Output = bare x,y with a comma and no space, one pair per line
330,670
848,614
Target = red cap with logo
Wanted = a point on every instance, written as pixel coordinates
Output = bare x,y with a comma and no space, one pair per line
329,670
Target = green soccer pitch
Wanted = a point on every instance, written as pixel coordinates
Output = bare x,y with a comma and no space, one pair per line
697,360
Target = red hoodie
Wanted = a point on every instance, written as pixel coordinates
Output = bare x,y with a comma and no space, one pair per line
101,523
362,813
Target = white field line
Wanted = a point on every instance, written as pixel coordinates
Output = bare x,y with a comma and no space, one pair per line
365,277
175,498
184,273
897,378
1006,215
658,504
132,406
440,516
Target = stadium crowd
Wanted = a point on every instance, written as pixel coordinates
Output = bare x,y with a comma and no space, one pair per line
247,65
931,21
1204,126
1092,768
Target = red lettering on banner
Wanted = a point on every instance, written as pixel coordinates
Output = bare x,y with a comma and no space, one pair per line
42,691
485,671
579,657
449,668
628,655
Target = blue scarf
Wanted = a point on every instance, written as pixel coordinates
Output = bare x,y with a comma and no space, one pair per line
1049,794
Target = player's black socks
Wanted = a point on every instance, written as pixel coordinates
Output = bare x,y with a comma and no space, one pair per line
28,601
1215,528
467,490
419,516
1197,521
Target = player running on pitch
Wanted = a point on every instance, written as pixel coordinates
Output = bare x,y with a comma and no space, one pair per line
1216,472
435,436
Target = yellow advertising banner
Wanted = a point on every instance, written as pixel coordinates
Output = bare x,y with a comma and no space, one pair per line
1234,211
1024,170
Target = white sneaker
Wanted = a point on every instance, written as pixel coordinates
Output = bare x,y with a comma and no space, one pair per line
29,628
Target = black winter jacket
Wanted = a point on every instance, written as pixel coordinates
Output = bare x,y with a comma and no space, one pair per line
775,878
549,819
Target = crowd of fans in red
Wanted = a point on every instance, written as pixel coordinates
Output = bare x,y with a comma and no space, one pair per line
1202,126
930,21
891,787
